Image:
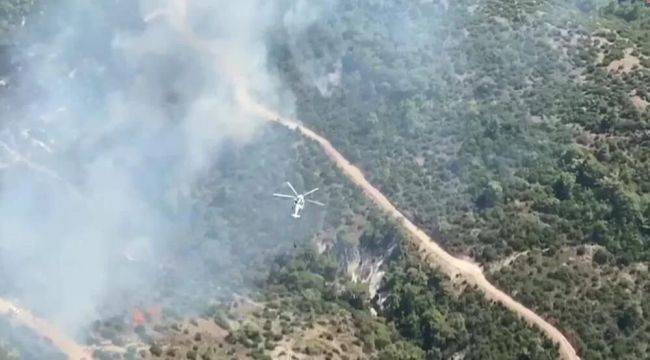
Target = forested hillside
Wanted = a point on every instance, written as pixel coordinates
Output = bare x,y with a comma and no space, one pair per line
517,132
423,314
514,132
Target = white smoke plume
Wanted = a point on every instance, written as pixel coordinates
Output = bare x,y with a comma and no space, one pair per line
111,117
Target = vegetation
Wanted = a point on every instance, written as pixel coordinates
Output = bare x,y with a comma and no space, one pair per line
6,353
12,15
515,132
444,324
500,127
249,226
601,306
425,318
471,141
18,342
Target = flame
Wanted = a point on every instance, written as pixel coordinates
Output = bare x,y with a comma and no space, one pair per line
153,313
137,318
147,315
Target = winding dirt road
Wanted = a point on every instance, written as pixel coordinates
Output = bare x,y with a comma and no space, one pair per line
455,268
44,329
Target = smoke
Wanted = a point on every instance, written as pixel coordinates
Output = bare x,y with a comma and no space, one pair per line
318,35
318,63
110,121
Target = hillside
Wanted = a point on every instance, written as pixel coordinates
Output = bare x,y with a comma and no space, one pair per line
512,133
505,128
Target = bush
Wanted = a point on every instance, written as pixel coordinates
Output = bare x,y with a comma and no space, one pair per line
401,350
156,350
601,256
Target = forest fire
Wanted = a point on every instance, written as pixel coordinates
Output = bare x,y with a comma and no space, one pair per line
137,318
140,317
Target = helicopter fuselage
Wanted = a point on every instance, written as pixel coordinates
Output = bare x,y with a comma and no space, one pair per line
298,205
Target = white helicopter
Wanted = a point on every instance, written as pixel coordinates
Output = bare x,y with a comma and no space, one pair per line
299,200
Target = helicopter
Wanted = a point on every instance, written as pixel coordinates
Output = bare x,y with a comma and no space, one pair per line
299,200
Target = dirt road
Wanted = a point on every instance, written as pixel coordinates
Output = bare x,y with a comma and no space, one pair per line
44,329
455,268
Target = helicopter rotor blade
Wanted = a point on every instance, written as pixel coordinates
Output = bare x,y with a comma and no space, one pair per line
292,189
315,202
284,196
310,192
